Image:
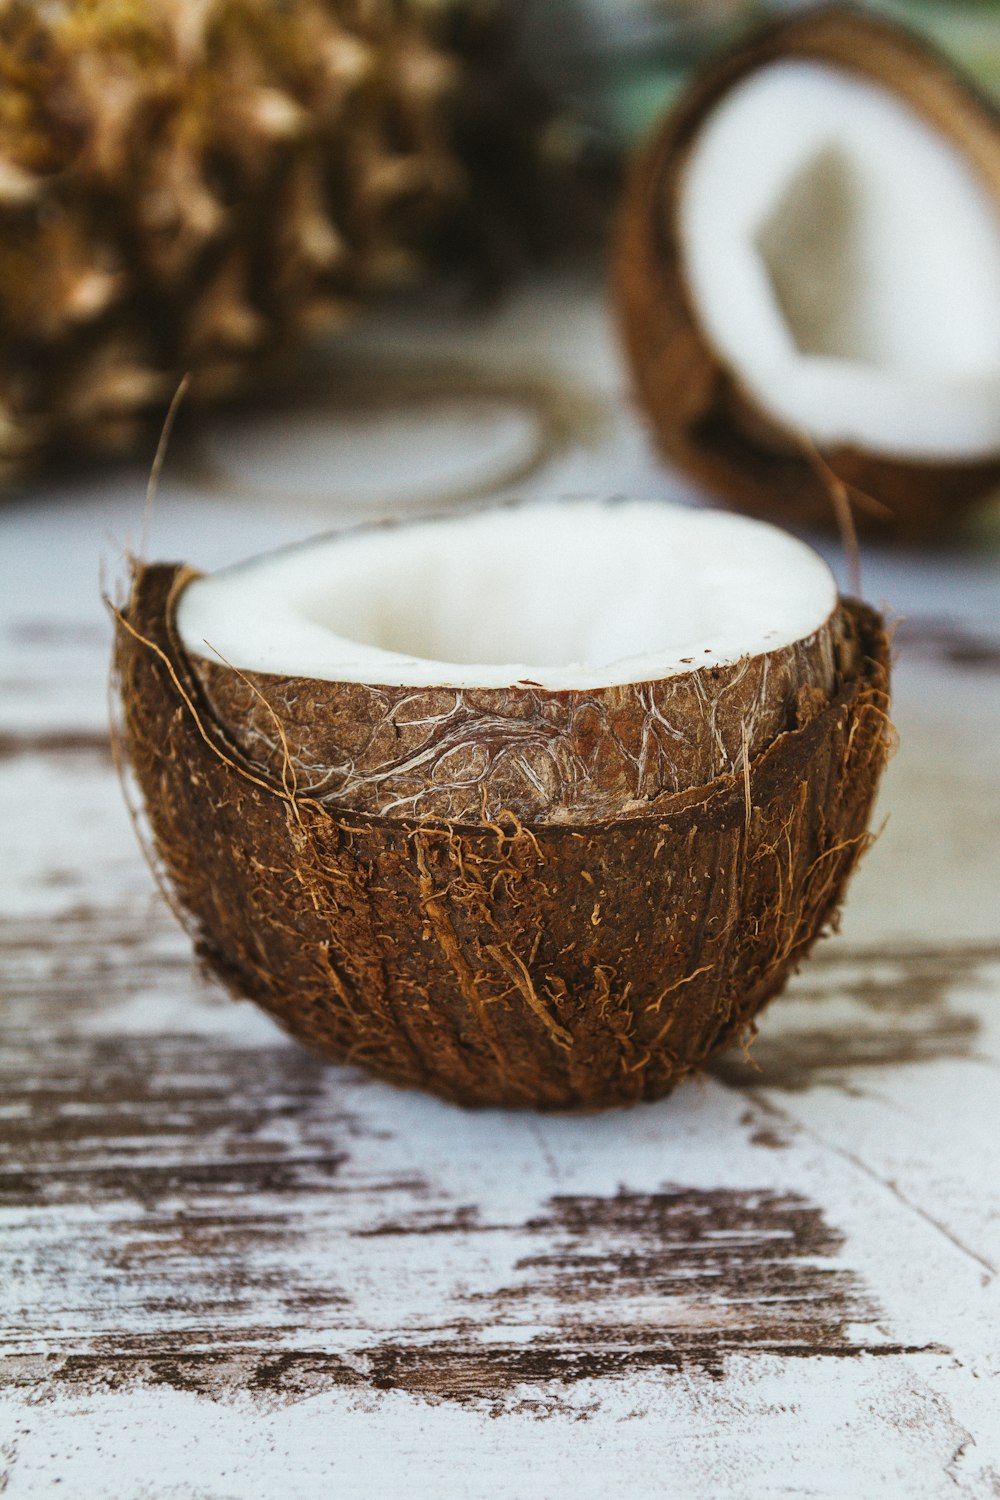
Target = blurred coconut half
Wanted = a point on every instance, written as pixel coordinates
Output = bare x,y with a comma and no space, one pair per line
808,278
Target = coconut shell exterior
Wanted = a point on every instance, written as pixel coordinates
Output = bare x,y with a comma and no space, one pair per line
541,756
703,419
560,966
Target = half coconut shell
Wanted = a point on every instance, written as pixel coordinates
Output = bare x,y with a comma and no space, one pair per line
560,964
702,415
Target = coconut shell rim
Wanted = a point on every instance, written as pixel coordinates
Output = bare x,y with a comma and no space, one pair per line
678,805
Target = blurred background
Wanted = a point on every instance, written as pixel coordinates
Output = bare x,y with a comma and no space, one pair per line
339,210
637,54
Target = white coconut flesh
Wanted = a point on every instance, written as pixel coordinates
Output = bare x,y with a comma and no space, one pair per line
844,260
565,596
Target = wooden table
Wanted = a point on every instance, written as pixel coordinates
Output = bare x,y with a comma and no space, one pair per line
227,1270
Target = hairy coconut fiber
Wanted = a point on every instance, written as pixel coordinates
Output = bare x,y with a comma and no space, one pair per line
543,756
702,417
197,185
490,960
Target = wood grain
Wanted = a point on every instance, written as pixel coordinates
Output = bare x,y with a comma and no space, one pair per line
227,1270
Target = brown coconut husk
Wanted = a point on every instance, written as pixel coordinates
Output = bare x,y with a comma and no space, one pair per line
562,966
542,756
701,416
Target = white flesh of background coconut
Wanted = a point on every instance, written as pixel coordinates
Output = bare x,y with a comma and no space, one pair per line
845,263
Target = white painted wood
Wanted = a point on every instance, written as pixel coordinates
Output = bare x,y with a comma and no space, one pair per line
228,1271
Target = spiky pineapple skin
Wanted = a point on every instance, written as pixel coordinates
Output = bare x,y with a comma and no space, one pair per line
197,185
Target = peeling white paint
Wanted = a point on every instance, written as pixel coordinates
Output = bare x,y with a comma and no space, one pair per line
226,1271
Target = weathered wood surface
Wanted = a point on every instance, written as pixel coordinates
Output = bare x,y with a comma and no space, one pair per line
226,1270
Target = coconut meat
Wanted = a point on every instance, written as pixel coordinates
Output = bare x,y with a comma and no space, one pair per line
565,595
844,262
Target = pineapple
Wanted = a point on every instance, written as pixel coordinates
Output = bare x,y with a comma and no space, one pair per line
201,184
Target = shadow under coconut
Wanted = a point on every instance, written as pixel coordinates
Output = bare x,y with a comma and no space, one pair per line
850,1013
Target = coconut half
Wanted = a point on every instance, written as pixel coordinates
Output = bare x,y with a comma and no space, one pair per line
551,663
809,262
533,806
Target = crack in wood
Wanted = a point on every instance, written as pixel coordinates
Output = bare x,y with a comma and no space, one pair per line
57,743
